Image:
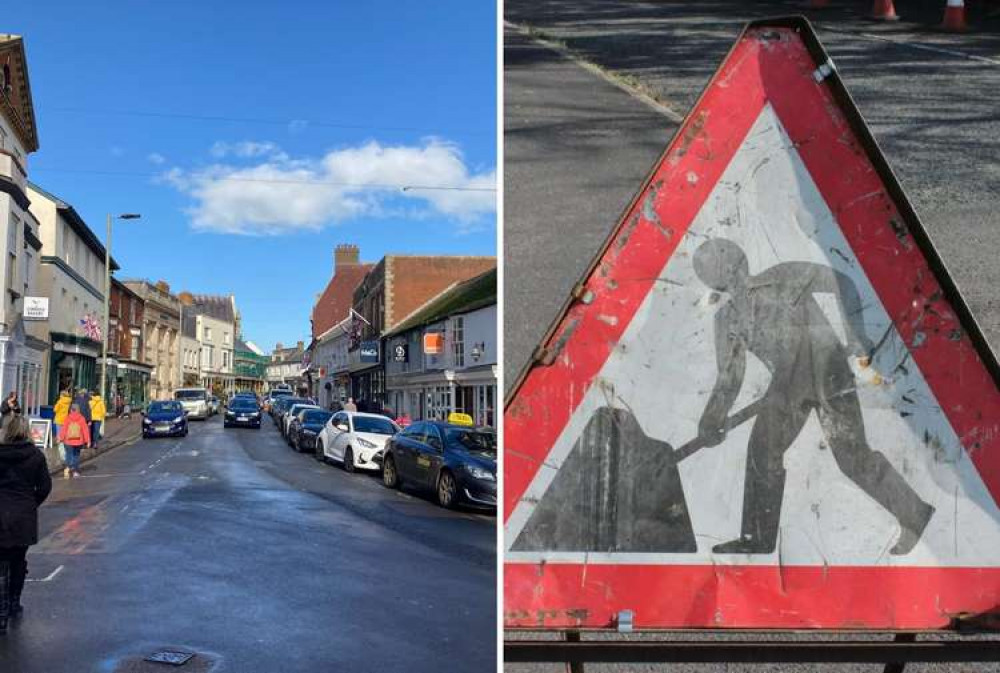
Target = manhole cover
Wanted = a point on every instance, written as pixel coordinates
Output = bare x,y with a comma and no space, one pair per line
170,657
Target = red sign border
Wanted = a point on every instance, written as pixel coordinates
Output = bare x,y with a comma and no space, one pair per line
527,577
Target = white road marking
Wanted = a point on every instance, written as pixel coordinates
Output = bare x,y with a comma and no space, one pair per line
50,577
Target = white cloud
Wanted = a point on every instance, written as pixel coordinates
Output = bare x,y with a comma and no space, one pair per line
156,158
280,194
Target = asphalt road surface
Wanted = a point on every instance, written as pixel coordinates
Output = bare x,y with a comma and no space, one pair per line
230,545
579,143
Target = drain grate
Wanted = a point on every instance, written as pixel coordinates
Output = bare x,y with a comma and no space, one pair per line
171,657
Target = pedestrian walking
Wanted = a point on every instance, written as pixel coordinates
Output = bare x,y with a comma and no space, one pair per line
61,410
98,413
9,408
75,435
24,485
82,400
350,406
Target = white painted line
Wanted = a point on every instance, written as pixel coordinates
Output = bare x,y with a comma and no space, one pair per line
52,576
611,77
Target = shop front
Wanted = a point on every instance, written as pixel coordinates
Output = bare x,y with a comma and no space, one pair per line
21,363
131,384
73,364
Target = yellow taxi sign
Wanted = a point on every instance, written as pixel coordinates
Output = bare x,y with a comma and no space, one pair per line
456,418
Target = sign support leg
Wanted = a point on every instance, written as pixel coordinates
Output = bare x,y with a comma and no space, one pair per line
898,666
573,666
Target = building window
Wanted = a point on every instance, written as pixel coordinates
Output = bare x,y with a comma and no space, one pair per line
135,347
225,338
458,342
208,333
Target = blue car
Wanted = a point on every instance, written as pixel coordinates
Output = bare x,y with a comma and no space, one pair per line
164,419
457,462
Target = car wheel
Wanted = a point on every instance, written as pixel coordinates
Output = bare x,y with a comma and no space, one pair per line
447,490
185,432
390,478
348,460
296,445
320,454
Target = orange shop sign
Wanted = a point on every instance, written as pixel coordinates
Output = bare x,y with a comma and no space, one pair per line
433,343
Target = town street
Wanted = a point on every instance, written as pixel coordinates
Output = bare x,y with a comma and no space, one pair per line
230,545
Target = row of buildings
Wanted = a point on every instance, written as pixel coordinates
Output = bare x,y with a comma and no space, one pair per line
415,335
51,314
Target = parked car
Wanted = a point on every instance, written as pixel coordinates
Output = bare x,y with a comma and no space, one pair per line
305,428
242,411
284,406
274,395
458,461
287,416
164,418
213,404
353,438
194,401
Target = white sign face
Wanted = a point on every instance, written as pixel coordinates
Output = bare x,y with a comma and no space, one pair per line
36,308
832,510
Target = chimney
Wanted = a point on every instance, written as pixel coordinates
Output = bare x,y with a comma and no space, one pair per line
186,298
278,346
345,254
163,286
299,345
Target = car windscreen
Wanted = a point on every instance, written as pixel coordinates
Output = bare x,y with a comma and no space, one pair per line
190,395
162,407
290,402
472,440
243,405
317,416
374,425
281,393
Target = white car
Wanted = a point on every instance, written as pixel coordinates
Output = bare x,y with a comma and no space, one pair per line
286,419
353,439
195,402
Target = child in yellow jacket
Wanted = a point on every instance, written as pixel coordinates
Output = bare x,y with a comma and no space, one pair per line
61,410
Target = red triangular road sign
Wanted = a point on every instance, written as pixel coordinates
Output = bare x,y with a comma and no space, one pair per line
766,405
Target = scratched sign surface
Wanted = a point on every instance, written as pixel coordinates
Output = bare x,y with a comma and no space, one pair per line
767,406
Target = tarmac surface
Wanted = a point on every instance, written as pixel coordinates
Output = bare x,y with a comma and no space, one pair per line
595,90
229,545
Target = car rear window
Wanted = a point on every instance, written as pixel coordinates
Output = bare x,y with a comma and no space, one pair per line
374,425
317,416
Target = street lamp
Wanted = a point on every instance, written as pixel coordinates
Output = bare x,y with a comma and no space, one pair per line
107,298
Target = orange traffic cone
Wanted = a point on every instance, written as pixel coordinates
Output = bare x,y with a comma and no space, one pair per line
954,16
883,10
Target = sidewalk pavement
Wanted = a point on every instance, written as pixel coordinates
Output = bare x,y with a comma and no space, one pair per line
117,432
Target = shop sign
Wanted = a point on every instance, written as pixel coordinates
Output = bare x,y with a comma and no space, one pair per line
401,353
369,351
36,308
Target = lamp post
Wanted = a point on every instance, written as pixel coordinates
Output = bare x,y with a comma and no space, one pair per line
107,298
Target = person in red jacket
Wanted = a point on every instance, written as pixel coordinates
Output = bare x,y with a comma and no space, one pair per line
75,436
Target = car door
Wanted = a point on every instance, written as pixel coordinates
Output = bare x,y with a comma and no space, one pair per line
331,432
404,449
435,455
342,437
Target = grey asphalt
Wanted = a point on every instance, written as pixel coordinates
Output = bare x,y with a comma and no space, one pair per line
230,545
577,147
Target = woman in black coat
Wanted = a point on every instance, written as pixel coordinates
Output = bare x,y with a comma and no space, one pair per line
24,485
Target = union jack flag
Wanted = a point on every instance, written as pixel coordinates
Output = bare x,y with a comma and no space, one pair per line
91,328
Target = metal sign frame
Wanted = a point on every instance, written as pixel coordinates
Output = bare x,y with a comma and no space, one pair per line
554,339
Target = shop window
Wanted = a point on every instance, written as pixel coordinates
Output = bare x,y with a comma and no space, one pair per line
458,341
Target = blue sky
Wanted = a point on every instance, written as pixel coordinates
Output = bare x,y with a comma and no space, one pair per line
254,136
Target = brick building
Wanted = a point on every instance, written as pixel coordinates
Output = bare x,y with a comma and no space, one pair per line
128,373
396,287
160,335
